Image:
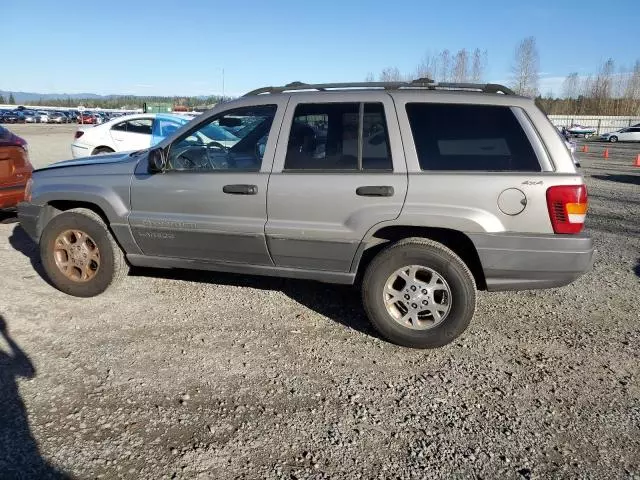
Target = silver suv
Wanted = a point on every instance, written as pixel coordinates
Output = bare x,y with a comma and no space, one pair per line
419,192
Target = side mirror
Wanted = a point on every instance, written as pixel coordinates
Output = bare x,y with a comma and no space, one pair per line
157,160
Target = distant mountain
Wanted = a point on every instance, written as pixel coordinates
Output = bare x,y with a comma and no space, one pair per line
22,97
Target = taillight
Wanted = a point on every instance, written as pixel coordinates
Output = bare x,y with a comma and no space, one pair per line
27,190
78,134
567,206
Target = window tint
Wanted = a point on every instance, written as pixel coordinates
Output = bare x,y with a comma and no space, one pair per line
375,139
211,146
120,127
635,130
325,137
140,125
470,137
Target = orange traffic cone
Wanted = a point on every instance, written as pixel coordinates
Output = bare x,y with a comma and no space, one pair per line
606,153
637,162
585,148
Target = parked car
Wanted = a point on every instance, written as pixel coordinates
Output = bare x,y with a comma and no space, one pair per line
44,116
393,192
87,118
30,116
13,116
135,132
58,117
15,168
629,134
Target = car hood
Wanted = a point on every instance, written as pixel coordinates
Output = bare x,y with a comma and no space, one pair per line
122,162
96,160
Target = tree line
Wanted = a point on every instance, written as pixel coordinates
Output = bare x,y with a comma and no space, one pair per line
610,91
125,102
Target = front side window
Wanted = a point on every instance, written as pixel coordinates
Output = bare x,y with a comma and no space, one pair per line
213,145
470,137
326,136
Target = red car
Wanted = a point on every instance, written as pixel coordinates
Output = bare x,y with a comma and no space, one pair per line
87,118
15,168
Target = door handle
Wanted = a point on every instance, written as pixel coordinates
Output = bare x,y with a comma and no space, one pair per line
240,189
375,191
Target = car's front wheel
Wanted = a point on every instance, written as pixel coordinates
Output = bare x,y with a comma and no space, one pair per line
79,254
613,139
418,293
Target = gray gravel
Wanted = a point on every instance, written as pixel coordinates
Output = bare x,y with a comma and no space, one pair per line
201,375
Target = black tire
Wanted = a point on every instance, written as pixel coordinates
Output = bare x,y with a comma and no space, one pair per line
102,151
113,267
613,139
426,253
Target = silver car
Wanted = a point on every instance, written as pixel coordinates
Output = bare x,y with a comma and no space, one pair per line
373,184
630,134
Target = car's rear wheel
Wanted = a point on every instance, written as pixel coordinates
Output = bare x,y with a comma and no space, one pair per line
102,151
79,254
613,139
418,293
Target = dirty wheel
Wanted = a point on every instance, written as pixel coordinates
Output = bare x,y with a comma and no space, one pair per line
79,254
418,293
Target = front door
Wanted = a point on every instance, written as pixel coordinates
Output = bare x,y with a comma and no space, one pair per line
210,204
339,169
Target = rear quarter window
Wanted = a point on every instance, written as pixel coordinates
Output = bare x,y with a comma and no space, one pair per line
470,138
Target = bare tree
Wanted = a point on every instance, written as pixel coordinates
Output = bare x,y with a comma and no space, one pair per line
460,72
571,86
390,74
479,65
526,68
632,90
602,87
445,66
428,67
369,77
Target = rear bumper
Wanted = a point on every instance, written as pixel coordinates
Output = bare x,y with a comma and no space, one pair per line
10,196
523,262
79,151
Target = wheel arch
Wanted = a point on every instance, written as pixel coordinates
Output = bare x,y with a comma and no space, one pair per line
455,240
97,149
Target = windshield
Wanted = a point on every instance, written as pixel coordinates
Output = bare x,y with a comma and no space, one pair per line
217,134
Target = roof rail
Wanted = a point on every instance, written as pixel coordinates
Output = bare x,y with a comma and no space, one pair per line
421,83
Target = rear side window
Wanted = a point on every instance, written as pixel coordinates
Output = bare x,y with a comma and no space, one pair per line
326,136
139,125
470,137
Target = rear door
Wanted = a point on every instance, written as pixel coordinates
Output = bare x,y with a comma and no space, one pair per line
339,169
475,167
134,134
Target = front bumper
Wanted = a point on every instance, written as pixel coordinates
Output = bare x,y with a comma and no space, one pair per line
530,261
29,216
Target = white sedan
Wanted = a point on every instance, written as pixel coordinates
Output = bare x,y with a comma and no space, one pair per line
136,132
630,134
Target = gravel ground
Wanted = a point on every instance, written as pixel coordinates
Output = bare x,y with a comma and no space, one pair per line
201,375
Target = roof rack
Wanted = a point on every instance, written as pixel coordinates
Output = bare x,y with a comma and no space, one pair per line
421,83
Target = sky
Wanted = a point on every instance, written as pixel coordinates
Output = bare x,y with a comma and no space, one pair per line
182,47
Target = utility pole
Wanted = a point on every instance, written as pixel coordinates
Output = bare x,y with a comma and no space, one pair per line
223,84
